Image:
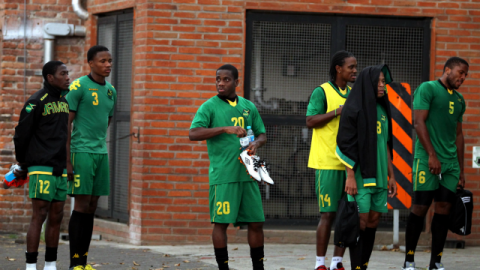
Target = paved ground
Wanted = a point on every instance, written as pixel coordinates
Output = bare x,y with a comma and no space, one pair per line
110,255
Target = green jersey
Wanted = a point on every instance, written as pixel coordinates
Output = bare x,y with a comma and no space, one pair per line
94,104
445,109
224,149
382,152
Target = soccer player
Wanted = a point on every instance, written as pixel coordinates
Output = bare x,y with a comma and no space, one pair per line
439,150
366,124
323,116
234,196
92,101
40,140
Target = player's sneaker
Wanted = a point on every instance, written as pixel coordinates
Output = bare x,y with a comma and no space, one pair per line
438,266
263,170
89,267
248,161
409,266
339,267
31,266
78,267
322,267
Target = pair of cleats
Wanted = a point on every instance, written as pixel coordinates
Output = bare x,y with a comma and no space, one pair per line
256,167
411,266
81,267
323,267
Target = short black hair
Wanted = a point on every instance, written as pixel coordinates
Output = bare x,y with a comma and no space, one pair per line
232,69
454,61
94,50
338,59
50,68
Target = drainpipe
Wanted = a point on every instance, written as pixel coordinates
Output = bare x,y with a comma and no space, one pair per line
258,90
79,10
52,30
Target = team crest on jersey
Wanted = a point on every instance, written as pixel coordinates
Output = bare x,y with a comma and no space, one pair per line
29,107
384,117
110,94
246,113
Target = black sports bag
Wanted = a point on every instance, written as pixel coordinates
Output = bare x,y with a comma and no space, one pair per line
347,225
461,213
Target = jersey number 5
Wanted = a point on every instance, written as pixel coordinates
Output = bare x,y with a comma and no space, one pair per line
450,110
95,96
238,121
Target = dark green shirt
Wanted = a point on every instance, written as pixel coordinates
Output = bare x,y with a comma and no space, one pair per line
382,152
94,104
445,109
224,149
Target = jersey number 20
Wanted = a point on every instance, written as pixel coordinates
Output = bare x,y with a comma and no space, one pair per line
238,121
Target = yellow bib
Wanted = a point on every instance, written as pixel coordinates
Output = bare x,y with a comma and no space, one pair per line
324,139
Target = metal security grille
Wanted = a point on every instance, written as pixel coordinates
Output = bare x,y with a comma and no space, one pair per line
399,47
115,31
289,60
288,55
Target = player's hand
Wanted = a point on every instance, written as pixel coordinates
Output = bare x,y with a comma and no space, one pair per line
239,131
351,186
392,187
461,180
252,147
20,174
434,165
339,110
70,176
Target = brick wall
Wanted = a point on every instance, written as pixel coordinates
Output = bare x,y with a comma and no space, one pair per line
14,207
178,46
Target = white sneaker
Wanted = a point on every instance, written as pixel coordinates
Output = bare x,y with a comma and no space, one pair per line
263,170
438,265
31,266
50,266
409,266
248,161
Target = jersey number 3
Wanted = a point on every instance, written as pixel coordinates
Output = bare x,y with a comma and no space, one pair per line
95,96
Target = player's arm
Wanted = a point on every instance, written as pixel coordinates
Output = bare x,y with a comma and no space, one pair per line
460,142
71,117
351,183
392,183
201,133
420,116
27,124
322,119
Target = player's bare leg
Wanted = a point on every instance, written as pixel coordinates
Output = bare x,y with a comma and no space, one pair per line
219,239
39,214
324,230
255,240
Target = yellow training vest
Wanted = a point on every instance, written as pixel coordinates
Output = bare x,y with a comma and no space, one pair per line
324,139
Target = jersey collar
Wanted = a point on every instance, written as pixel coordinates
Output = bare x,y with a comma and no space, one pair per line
338,89
448,90
91,78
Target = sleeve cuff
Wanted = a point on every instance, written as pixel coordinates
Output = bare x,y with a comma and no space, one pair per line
344,159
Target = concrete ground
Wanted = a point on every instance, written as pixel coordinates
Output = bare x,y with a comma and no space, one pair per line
106,255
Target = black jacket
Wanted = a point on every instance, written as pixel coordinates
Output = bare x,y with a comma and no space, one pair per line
41,134
357,135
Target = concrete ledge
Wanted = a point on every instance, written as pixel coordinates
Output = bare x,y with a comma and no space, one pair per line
113,231
309,237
